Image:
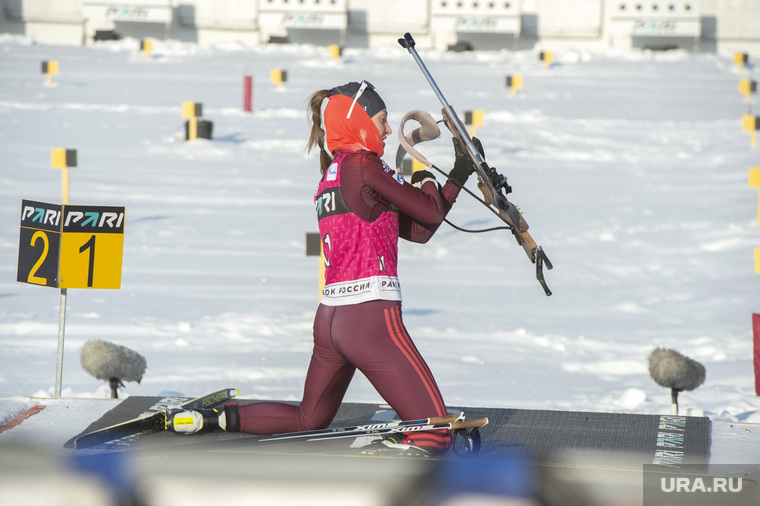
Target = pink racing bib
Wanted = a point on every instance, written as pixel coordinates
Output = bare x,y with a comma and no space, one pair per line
360,257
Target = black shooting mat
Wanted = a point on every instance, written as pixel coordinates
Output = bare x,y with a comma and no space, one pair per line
550,437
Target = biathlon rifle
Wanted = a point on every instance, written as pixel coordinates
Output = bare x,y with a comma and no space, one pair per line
492,184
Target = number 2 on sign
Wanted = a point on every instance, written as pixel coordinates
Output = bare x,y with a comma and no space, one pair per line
90,245
33,278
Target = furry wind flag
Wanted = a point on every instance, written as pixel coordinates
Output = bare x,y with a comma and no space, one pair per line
113,363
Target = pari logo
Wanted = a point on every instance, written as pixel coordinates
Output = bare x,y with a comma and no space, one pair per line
51,217
94,219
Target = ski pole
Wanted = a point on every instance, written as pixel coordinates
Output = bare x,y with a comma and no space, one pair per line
362,429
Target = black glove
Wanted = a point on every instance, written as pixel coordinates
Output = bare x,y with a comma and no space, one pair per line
420,177
463,166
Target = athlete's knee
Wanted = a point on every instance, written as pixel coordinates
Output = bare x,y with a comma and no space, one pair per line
313,421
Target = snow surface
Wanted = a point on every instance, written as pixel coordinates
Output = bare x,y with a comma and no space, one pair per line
631,168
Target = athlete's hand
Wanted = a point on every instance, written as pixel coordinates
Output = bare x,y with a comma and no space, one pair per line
463,166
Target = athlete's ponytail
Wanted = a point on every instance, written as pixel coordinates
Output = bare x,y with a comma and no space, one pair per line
317,135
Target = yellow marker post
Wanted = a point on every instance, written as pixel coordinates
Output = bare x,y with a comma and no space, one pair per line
191,111
278,77
146,45
750,124
740,59
63,159
547,57
475,119
754,182
314,248
747,87
322,267
336,52
50,68
757,260
410,165
514,83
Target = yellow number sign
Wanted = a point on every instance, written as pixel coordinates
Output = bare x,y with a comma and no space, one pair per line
71,246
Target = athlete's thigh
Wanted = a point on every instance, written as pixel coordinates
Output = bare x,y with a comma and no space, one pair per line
328,376
373,337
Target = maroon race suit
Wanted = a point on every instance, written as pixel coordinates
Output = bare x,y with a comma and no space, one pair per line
369,336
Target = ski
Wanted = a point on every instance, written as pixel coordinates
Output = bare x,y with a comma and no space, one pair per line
451,422
155,421
492,184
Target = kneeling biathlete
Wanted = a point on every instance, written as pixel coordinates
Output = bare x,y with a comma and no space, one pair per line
362,207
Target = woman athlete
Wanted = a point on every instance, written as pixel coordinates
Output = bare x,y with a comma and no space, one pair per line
362,207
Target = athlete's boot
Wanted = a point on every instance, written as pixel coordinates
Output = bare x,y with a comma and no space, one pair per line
198,420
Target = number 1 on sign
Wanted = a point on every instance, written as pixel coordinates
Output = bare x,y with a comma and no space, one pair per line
91,260
90,245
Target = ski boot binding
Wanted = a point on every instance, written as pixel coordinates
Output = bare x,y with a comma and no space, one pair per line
193,420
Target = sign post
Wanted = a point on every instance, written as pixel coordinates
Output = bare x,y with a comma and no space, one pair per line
64,246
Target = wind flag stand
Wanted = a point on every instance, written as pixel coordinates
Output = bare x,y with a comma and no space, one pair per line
57,247
670,369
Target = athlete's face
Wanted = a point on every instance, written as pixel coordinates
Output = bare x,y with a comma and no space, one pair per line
381,122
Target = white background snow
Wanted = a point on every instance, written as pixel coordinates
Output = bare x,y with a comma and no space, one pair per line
631,168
